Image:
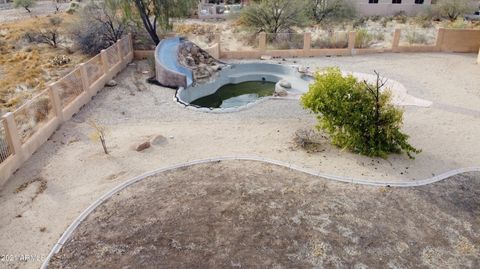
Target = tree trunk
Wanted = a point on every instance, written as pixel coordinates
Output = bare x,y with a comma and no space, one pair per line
149,26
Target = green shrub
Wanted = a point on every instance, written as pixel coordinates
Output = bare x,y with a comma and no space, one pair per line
357,115
363,39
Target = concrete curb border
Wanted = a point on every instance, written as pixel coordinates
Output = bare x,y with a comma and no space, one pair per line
68,233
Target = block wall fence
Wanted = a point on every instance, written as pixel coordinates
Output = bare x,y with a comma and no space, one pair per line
448,40
24,130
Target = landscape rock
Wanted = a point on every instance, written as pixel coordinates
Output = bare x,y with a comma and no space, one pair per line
203,65
303,69
285,84
280,91
111,83
265,57
143,146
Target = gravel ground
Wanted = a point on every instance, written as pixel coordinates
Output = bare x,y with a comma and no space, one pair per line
240,214
76,171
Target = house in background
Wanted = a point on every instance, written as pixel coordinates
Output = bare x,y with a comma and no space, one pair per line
221,8
390,7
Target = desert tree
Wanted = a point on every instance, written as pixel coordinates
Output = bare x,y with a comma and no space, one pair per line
452,9
322,10
273,16
156,15
50,34
26,4
101,24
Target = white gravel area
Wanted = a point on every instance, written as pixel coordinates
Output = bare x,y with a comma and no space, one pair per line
77,172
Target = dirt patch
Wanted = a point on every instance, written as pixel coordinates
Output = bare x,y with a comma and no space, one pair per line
240,214
41,186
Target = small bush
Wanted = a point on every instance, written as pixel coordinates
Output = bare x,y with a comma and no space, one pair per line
357,116
42,108
401,17
331,42
363,39
375,18
414,37
457,24
424,21
72,7
385,20
308,140
360,22
283,41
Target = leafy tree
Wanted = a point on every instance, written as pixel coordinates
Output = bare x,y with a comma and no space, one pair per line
157,14
26,4
452,9
273,16
357,115
330,9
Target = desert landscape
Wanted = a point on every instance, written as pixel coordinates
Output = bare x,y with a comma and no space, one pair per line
104,166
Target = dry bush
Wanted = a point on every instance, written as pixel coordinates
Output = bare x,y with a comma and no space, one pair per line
42,108
331,41
363,38
283,41
249,39
99,134
414,37
401,17
308,140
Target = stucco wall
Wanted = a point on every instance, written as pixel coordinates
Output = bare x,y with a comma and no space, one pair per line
459,40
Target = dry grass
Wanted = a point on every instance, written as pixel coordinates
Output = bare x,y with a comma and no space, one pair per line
25,67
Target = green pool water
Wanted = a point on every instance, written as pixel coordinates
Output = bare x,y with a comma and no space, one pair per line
235,95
